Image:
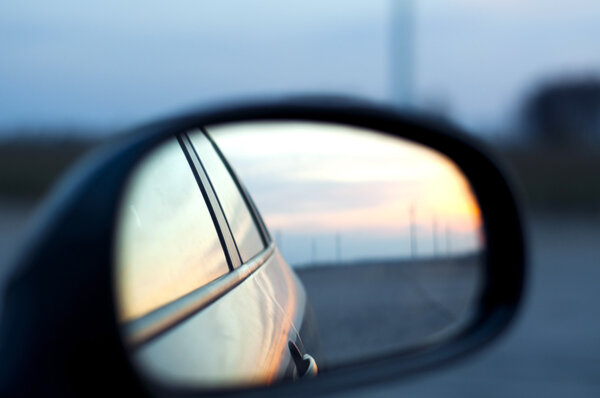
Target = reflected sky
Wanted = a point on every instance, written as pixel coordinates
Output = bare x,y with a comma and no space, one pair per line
318,183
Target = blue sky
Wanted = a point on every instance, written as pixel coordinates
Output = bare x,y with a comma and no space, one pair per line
113,64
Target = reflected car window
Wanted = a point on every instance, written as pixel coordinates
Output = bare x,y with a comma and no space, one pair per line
243,228
167,244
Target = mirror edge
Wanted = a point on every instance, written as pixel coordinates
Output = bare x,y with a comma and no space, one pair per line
69,210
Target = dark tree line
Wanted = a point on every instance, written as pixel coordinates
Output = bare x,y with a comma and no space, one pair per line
564,111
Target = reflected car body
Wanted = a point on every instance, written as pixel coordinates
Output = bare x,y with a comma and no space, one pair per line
236,325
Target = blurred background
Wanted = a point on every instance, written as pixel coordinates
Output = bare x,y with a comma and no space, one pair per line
522,76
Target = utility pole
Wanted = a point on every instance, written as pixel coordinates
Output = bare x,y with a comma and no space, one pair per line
402,52
435,236
413,232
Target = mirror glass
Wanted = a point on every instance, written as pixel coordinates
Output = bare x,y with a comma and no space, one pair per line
259,252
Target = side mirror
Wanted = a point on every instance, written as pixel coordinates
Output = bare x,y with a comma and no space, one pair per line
284,249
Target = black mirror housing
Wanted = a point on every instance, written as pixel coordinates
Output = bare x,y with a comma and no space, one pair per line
59,335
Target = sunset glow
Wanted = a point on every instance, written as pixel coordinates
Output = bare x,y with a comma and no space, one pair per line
319,178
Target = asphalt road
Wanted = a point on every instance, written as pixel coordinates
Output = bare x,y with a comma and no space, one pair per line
552,350
377,306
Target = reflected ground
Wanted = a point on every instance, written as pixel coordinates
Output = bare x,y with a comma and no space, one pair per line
370,308
552,349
